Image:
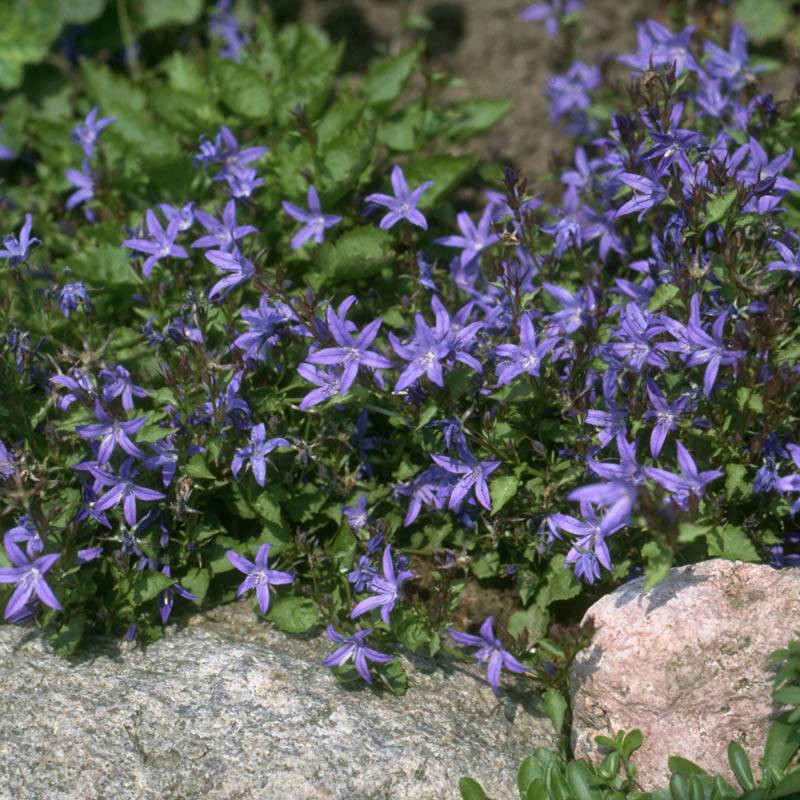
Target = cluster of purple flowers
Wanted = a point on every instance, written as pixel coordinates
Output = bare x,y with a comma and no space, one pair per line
610,312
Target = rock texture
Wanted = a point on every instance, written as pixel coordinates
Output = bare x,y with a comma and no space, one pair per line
687,663
228,708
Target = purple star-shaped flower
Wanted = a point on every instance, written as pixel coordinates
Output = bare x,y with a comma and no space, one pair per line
259,576
354,650
160,245
591,549
166,599
112,432
661,47
551,13
490,651
790,483
357,515
690,482
83,182
647,193
387,589
29,577
314,221
473,476
708,349
265,327
789,261
71,295
123,490
222,235
361,576
255,454
236,270
526,357
87,133
117,382
637,328
26,531
185,215
327,381
352,352
404,203
730,66
665,414
474,239
17,248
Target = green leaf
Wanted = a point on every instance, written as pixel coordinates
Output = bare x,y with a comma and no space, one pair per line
736,481
658,561
764,19
114,92
502,490
609,766
104,265
471,790
632,742
244,89
414,633
740,765
790,695
387,77
718,207
27,30
293,614
445,172
555,706
197,581
79,12
153,433
66,639
394,677
578,777
679,786
789,786
783,741
684,766
175,12
196,467
486,565
146,585
561,583
689,531
359,253
529,770
468,118
537,790
347,156
732,543
662,296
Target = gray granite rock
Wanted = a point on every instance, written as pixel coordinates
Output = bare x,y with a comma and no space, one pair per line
687,663
229,708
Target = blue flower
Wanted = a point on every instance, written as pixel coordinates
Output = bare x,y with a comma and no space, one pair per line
354,650
314,221
259,576
255,454
29,578
17,249
490,652
387,589
404,204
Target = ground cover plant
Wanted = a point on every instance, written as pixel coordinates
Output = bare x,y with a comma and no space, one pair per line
264,333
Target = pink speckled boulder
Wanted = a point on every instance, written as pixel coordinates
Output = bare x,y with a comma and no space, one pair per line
687,663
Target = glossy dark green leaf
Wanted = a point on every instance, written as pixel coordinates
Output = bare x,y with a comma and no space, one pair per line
471,790
293,614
